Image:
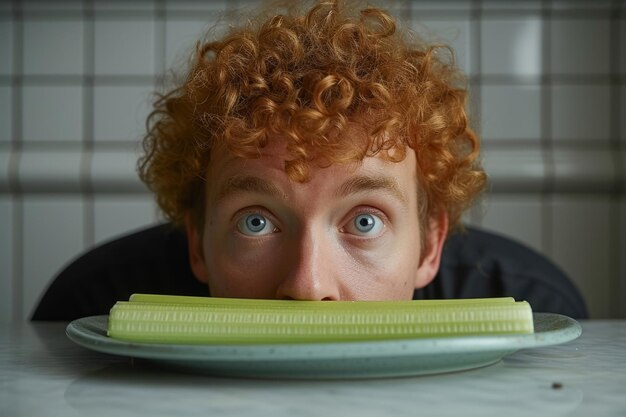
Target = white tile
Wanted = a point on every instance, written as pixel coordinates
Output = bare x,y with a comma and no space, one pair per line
468,218
436,5
49,6
518,216
568,5
581,246
124,5
454,33
511,112
120,214
180,40
7,258
115,171
6,114
400,10
6,46
124,47
514,169
192,5
53,235
50,171
51,113
512,46
240,11
581,112
53,47
584,170
525,5
121,112
580,46
5,156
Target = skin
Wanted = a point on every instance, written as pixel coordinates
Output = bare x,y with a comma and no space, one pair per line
351,233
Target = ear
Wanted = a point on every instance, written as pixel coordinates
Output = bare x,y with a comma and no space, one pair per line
196,258
435,237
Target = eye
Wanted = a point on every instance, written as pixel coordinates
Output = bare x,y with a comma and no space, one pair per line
365,224
255,225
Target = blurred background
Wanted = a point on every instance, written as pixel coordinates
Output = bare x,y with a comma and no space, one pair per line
548,97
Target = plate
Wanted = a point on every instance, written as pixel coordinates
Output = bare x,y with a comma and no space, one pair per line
371,359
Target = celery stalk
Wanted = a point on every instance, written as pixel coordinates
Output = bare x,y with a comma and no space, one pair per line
205,320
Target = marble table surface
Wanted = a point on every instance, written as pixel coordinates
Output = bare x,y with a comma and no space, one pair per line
42,373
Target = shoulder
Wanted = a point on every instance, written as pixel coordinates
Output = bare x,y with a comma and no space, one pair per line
151,260
478,263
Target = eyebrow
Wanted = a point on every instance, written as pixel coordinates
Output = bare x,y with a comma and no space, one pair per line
354,185
248,183
366,183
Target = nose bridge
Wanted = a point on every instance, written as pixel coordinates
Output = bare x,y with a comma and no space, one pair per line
309,273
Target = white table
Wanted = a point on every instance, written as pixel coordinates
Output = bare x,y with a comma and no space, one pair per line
42,373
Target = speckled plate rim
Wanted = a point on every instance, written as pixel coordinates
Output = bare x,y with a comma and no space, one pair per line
550,329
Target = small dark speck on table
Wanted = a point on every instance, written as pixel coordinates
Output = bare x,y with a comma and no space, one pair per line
557,385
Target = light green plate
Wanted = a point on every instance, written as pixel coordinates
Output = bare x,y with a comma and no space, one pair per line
331,360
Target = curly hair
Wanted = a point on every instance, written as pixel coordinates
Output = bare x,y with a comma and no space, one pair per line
305,77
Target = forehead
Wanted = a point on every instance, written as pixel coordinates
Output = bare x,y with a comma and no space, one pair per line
267,175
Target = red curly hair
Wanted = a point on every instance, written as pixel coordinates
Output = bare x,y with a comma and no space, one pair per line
305,77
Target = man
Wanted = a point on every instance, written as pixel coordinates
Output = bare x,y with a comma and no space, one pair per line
321,155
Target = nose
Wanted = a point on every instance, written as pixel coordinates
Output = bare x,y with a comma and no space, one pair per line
309,273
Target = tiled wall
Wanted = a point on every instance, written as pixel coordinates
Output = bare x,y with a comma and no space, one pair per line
548,84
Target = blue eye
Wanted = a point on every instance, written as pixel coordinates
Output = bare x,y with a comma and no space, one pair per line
255,225
365,224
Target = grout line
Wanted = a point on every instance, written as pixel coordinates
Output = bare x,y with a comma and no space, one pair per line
479,210
615,49
88,125
14,162
587,143
148,79
160,59
206,13
73,145
18,259
78,79
547,197
160,38
554,78
78,15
